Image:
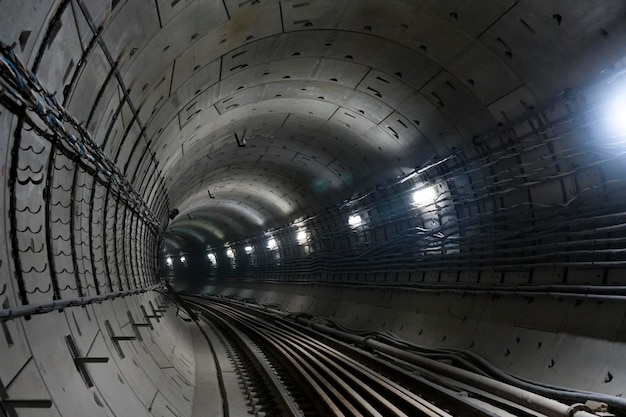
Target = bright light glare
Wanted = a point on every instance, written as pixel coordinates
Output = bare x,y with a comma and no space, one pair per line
355,220
618,115
272,244
183,259
302,237
230,253
425,196
248,249
212,258
168,261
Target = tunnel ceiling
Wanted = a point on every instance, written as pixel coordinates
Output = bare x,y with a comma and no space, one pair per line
261,112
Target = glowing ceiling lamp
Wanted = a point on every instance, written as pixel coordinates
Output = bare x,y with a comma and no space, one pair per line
168,261
212,258
230,253
424,196
183,258
618,115
355,220
272,244
248,249
302,236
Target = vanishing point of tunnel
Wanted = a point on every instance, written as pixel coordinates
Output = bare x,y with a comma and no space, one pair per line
313,207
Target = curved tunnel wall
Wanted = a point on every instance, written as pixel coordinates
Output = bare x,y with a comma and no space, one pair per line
74,234
261,120
500,261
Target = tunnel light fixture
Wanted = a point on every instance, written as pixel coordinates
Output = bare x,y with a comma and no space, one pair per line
618,115
183,259
355,220
248,249
272,244
230,253
302,236
424,196
212,258
168,261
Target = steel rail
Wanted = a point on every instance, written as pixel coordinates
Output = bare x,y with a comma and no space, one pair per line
408,375
353,387
348,369
330,394
500,395
281,394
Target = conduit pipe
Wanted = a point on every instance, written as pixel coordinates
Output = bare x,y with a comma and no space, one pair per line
461,290
519,396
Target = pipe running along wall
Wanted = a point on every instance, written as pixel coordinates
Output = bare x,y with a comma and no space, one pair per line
446,171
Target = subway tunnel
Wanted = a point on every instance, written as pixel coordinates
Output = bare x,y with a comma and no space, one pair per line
450,172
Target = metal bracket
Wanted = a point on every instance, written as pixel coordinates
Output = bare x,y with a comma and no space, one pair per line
136,325
240,137
80,361
8,406
155,312
116,339
149,316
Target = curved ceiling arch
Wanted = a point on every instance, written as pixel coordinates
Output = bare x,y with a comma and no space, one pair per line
293,174
199,205
174,242
207,229
213,132
372,86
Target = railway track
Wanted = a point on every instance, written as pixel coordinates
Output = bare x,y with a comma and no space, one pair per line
289,369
